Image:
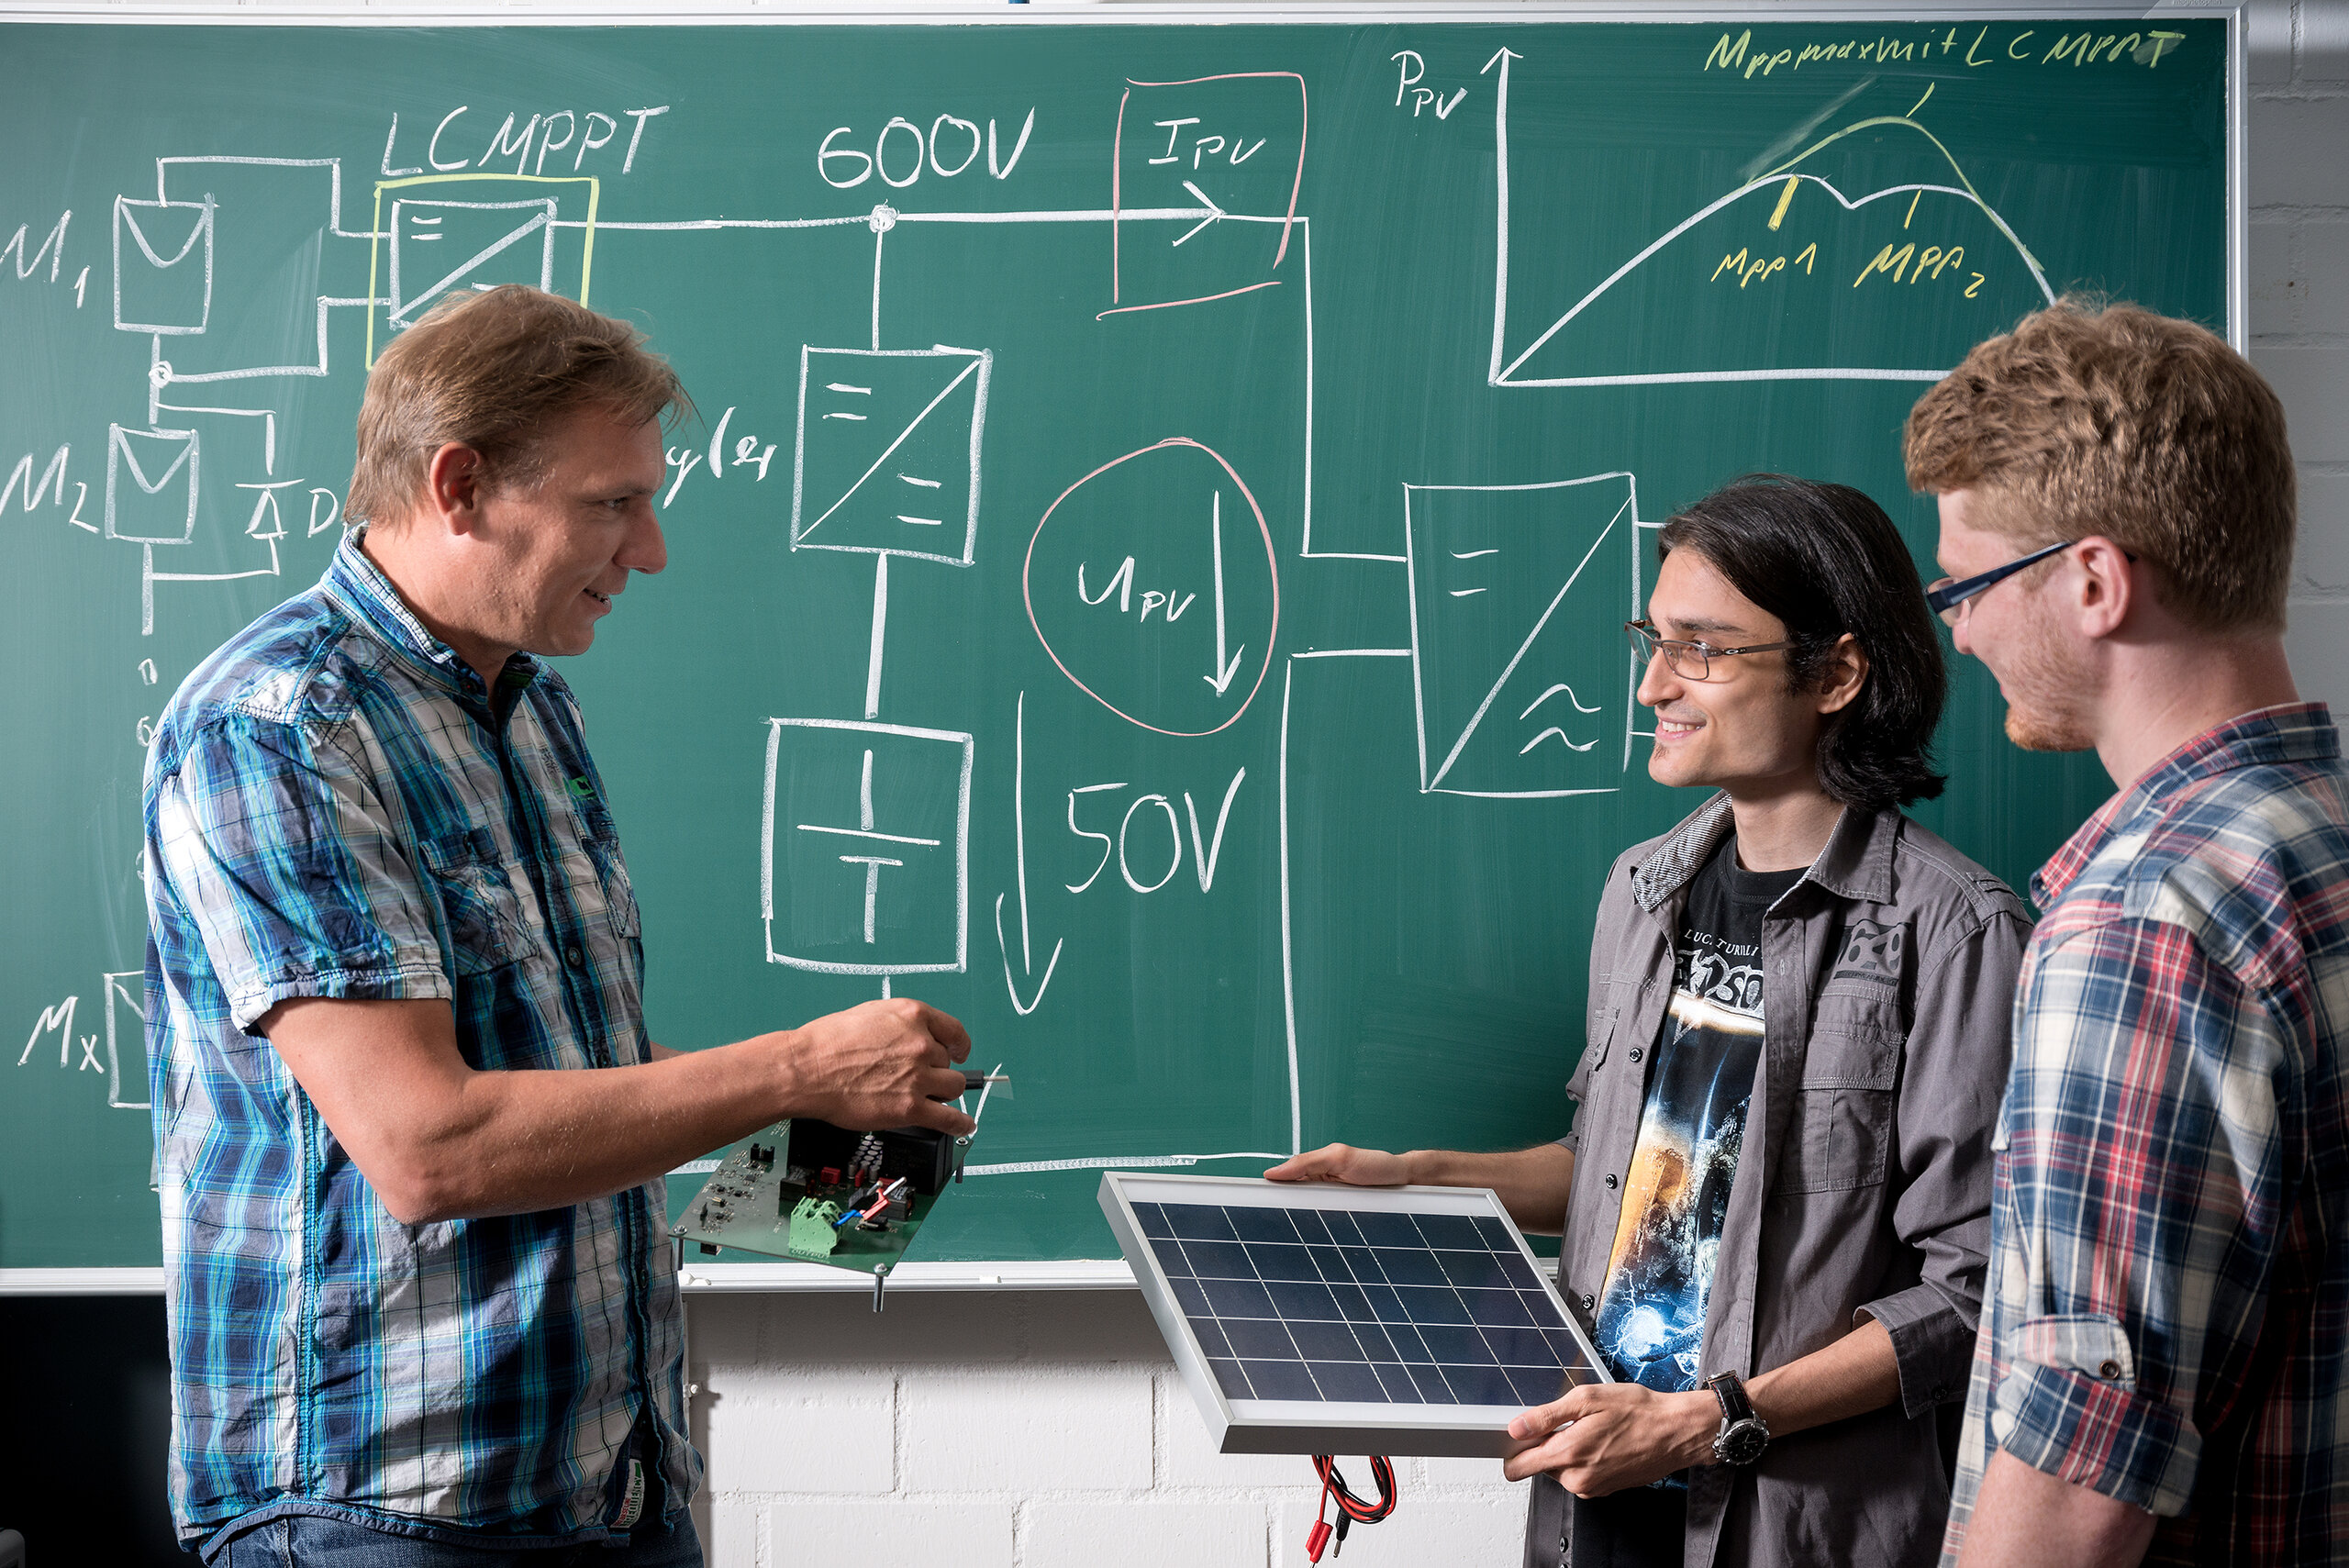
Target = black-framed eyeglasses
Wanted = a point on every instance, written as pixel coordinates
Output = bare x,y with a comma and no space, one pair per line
1947,596
1690,661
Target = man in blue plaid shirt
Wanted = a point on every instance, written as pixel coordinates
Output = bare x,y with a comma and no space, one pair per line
2162,1366
411,1134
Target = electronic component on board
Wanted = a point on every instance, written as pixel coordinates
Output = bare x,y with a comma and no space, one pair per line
815,1224
924,1157
811,1192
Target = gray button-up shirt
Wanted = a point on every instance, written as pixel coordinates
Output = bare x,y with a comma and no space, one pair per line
1863,1186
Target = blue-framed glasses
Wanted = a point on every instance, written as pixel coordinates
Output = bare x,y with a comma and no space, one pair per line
1947,596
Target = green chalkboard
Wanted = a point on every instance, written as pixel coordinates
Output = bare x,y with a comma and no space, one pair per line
1148,573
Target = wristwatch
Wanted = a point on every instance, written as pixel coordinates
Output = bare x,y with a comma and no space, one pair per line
1743,1436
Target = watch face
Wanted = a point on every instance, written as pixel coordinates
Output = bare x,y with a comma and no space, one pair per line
1742,1443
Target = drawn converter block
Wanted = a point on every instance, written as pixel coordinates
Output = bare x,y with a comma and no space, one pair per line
1517,667
164,284
1203,196
452,232
157,503
438,246
887,458
865,846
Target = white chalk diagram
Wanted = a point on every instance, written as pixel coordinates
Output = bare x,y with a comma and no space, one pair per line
865,828
164,252
884,463
865,834
826,873
1773,189
124,1066
1485,561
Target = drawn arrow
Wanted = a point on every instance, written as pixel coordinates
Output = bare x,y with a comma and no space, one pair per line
1501,209
1222,679
1019,838
1214,212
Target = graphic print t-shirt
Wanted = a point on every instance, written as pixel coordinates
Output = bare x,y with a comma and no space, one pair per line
1652,1315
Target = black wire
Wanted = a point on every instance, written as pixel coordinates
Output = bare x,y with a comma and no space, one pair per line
1353,1507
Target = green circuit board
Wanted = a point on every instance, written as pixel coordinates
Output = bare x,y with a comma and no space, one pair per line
747,1204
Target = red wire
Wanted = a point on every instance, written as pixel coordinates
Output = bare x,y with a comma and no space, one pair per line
1333,1483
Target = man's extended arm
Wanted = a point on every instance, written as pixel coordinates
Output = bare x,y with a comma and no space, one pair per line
1532,1183
2025,1518
438,1139
1604,1436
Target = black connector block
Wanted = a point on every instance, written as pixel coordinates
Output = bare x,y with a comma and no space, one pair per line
925,1157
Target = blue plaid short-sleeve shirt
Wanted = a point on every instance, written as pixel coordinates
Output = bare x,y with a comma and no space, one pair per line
334,809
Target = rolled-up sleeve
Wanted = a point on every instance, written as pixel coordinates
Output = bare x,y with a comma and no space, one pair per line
2144,1203
1955,1072
288,869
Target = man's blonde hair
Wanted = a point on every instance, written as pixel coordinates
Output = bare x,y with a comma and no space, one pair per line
2091,418
493,371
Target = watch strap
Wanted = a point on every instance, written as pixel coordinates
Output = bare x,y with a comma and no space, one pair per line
1730,1390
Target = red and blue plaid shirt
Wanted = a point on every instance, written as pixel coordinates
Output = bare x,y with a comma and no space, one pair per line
2166,1319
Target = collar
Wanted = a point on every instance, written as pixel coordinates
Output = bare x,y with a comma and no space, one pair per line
2268,737
359,586
1681,853
1855,863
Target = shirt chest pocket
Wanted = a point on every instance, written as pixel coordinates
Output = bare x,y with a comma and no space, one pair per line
1614,1009
1840,1136
598,875
483,909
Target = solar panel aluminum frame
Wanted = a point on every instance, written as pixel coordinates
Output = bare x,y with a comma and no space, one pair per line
1276,1426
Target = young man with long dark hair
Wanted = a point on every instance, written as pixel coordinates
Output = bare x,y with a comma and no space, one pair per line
1775,1199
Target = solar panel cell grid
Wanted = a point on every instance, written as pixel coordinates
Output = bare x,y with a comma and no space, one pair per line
1360,1307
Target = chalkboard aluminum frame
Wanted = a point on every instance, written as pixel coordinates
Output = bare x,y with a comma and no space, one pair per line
1095,1273
1271,1426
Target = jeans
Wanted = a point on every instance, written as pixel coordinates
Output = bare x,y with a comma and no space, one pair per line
310,1540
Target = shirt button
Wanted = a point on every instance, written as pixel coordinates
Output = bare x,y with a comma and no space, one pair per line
1611,1182
2108,1370
1635,1053
574,956
1589,1303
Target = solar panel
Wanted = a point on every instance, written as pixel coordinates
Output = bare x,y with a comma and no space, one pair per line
1329,1320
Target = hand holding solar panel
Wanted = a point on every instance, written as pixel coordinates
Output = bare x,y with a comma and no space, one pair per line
1343,1163
1595,1440
1320,1319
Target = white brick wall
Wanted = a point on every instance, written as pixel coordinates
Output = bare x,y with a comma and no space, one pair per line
2299,313
1043,1429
